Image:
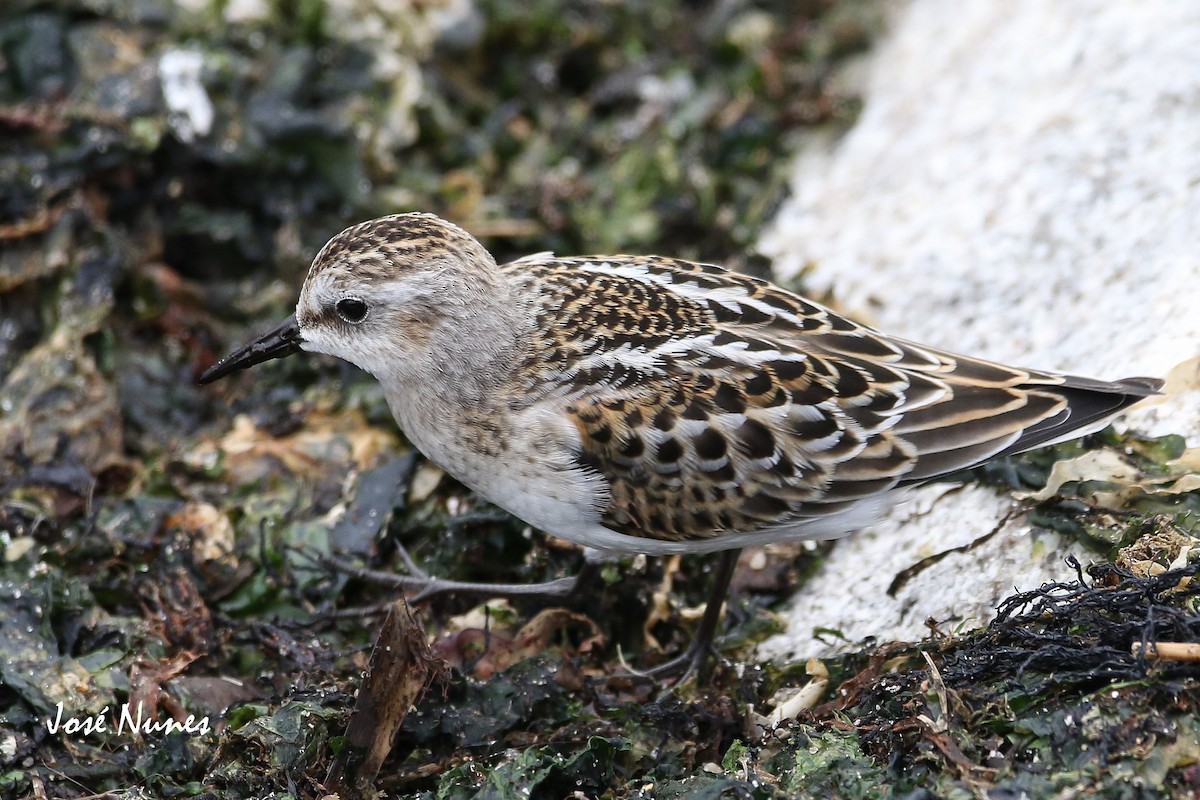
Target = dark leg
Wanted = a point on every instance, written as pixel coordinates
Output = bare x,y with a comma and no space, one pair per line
691,662
556,589
695,658
427,586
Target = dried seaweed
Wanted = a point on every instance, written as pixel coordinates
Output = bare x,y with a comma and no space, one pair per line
1085,633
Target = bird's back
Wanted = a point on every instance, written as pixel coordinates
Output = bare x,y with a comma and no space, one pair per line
720,409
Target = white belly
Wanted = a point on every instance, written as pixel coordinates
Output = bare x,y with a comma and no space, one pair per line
534,477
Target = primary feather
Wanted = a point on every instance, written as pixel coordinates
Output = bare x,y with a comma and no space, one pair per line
714,403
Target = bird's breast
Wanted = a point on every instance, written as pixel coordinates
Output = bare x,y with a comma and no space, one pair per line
522,461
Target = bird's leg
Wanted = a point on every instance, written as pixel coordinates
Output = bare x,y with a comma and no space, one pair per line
693,660
409,564
558,589
425,585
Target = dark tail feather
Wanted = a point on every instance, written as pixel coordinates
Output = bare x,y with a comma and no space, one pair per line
1088,405
1088,402
1135,387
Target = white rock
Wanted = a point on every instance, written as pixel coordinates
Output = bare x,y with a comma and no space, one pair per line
1023,184
179,73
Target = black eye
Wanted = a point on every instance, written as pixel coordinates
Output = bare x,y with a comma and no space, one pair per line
352,310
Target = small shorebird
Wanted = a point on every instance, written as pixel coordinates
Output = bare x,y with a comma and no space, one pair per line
652,405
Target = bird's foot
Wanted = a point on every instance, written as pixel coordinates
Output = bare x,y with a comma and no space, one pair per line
693,663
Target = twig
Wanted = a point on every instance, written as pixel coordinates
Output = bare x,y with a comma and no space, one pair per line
1168,651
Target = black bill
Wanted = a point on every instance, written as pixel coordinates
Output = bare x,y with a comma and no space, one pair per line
281,341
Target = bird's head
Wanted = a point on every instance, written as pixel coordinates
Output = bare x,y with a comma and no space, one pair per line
391,295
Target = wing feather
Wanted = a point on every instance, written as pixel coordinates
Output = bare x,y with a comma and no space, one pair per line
713,403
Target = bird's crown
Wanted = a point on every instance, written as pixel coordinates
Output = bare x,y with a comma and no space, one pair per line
386,247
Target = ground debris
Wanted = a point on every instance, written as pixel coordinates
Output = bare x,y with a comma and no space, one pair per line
1084,632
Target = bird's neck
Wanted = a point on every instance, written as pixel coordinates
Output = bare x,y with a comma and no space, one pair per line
476,360
467,365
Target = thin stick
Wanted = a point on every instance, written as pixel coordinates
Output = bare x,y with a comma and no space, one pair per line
1169,651
402,666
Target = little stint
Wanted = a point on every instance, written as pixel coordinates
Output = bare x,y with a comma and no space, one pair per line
652,405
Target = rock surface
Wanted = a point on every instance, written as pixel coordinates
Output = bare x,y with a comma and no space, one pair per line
1023,184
